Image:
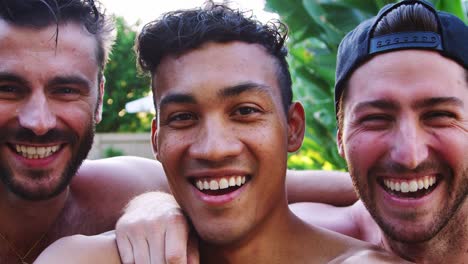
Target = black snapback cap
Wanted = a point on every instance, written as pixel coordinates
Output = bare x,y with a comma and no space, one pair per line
358,46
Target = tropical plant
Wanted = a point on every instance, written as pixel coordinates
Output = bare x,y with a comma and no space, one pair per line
316,29
123,84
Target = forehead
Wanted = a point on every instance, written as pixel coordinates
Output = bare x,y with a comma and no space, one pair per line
407,75
216,65
34,52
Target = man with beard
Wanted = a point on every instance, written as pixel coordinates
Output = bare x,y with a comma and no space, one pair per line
52,57
402,108
402,99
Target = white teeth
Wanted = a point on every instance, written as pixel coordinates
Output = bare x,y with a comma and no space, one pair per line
414,185
404,186
222,183
420,184
238,181
232,181
214,185
397,186
31,152
199,185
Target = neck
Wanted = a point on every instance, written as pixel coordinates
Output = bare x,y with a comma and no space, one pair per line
450,245
271,241
26,223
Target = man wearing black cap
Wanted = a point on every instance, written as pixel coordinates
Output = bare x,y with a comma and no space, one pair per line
402,108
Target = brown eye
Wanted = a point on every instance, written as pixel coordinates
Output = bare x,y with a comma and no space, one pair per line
246,110
181,117
10,92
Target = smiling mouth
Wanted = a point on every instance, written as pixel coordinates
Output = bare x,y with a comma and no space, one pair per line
411,188
220,186
33,152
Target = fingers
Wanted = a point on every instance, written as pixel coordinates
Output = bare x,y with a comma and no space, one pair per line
141,250
132,242
125,249
156,245
176,239
153,230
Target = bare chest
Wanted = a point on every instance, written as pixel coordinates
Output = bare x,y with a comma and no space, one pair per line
74,219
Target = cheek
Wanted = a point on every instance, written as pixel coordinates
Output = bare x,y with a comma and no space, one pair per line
452,147
361,151
171,145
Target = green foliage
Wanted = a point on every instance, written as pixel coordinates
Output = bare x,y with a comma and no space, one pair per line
113,152
123,84
316,29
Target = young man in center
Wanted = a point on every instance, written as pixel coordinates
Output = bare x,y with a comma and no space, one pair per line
225,124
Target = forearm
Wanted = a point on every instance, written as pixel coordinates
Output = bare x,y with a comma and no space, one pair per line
330,187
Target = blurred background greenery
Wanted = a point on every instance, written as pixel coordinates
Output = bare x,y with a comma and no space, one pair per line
316,28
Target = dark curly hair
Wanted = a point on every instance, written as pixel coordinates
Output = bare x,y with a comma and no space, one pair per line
43,13
181,31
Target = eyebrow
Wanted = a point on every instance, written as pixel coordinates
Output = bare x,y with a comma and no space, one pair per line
71,79
438,101
380,104
231,91
236,90
177,98
10,77
59,80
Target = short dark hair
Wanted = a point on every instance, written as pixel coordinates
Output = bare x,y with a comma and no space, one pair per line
405,18
43,13
181,31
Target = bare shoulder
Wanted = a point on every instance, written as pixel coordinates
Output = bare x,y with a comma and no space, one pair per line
121,167
123,175
81,249
368,256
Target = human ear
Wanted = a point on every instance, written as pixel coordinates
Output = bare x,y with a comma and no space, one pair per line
154,135
296,126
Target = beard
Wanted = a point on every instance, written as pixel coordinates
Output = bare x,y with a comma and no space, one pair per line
458,190
80,149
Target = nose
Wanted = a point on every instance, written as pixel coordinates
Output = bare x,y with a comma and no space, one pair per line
215,142
409,147
36,115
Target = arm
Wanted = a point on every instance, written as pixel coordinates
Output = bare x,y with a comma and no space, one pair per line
80,249
154,227
330,187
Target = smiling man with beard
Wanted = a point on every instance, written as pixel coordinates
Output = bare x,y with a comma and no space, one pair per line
52,57
401,95
402,99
